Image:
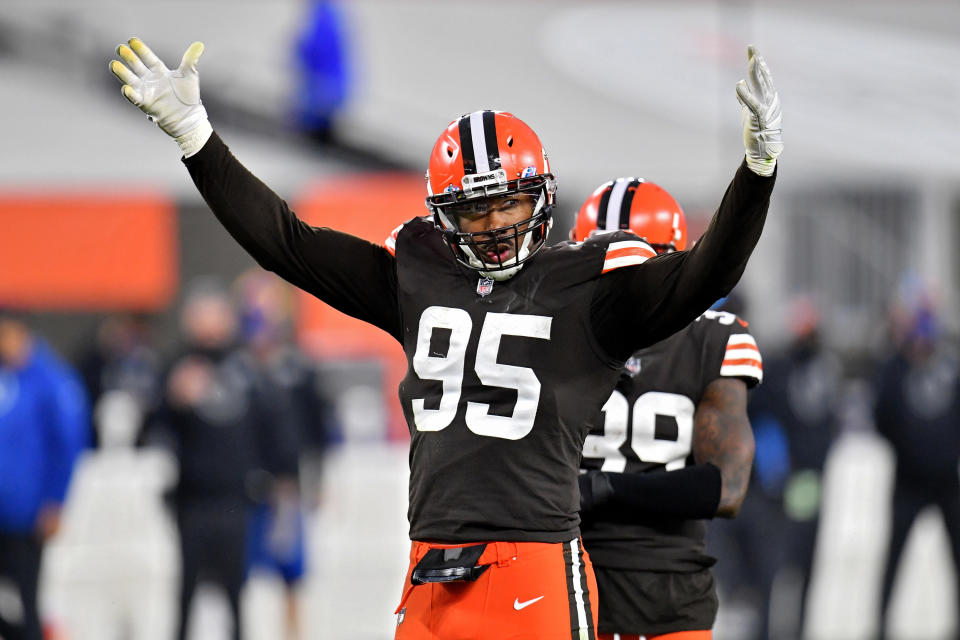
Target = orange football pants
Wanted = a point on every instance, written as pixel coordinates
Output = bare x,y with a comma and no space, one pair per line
532,591
705,634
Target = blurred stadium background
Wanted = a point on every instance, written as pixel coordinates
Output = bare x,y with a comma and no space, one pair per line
336,106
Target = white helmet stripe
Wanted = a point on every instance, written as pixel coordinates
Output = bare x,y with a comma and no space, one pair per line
479,142
612,222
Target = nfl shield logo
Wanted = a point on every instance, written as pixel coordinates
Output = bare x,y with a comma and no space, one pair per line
484,287
633,366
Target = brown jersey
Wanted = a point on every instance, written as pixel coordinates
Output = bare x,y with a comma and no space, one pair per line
647,425
500,387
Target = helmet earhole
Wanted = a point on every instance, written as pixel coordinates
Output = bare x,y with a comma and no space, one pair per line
509,141
449,152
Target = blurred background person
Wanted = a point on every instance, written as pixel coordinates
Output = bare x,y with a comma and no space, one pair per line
267,306
119,558
748,548
122,357
44,424
222,433
917,410
117,551
302,428
800,397
320,61
771,545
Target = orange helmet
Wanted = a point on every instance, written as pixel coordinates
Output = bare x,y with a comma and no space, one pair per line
484,154
634,204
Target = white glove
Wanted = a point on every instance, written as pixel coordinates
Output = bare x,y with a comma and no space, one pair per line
760,116
169,98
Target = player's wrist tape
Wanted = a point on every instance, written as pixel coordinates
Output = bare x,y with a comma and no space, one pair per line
688,493
192,141
762,166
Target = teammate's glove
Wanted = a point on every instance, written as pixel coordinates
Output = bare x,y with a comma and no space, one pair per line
169,98
760,115
595,490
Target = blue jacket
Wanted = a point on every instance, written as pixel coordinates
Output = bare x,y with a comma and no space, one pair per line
44,425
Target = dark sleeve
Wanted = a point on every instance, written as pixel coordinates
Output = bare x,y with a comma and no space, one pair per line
691,493
350,274
634,307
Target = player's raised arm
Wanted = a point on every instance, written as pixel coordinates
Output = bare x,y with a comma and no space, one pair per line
351,274
670,291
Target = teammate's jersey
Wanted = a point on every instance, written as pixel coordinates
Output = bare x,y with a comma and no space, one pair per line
647,425
502,376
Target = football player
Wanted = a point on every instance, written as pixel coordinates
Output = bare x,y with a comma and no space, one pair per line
511,345
673,446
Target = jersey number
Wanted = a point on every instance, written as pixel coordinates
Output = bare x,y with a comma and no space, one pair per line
616,428
448,369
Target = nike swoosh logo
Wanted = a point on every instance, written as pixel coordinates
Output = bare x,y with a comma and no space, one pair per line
526,603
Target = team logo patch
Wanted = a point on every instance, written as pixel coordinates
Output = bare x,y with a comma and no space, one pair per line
484,287
528,172
632,366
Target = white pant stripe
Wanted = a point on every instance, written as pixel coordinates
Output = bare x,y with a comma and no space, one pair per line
577,587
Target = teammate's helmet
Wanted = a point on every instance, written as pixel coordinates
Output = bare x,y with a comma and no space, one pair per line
484,154
634,204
